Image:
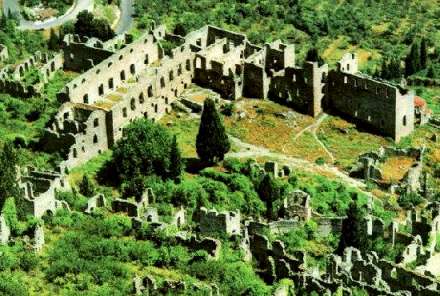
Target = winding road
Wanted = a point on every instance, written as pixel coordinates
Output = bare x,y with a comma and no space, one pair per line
125,21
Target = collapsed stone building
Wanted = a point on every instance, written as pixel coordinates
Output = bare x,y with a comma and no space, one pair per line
13,77
124,79
368,167
39,191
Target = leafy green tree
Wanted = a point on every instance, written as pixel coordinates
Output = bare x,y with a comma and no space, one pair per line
86,186
269,191
212,142
87,25
144,149
8,174
175,169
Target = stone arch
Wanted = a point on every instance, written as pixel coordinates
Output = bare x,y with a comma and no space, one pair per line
199,64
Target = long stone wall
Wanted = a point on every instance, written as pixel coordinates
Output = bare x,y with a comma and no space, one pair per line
377,104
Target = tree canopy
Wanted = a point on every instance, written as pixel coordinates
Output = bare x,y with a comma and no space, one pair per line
87,25
144,149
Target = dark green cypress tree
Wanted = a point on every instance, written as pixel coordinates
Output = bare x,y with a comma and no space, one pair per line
54,41
353,232
313,56
412,61
8,174
423,54
269,192
175,169
212,142
86,187
430,73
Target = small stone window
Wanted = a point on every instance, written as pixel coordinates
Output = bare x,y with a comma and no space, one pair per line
96,122
95,139
86,99
171,75
124,112
146,61
141,98
404,120
188,65
122,75
345,79
110,83
133,104
101,90
162,82
179,70
150,91
132,69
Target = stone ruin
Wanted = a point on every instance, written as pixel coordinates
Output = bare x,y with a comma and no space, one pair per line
147,285
5,231
377,276
4,55
368,168
97,201
143,210
295,211
124,79
12,76
296,206
211,221
273,263
39,191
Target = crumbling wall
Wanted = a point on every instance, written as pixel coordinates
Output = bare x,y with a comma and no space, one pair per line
39,189
214,222
5,231
4,55
114,71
